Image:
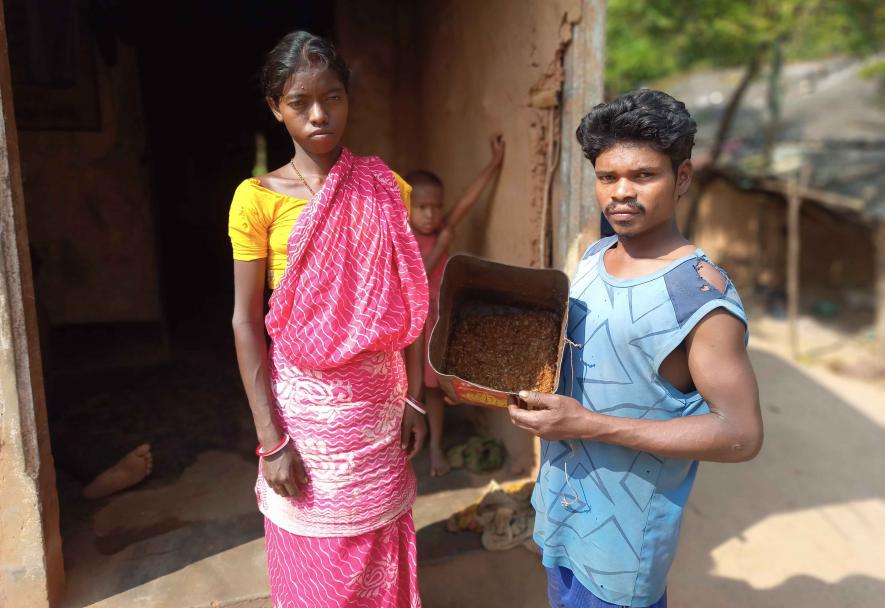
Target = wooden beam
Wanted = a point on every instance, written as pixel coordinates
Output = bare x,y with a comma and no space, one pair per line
795,187
833,199
31,567
575,217
759,251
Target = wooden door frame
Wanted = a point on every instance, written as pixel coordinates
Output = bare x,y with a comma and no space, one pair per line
31,566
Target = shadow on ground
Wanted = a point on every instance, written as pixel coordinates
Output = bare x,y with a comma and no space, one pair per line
193,506
801,525
198,502
797,526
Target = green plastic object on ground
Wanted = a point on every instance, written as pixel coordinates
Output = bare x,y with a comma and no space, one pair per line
825,309
477,455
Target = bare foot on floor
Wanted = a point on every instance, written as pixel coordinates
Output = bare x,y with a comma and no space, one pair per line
128,471
439,464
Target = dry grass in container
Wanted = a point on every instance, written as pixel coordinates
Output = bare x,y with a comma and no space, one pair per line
507,350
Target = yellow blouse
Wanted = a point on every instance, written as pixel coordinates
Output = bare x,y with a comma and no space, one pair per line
261,221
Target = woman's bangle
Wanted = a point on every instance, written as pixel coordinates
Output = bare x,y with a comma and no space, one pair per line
415,405
264,454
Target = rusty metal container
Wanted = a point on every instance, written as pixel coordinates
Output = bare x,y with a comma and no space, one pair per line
473,285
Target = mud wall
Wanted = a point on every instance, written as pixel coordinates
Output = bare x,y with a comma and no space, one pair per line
836,253
746,232
378,40
433,81
481,64
733,229
90,222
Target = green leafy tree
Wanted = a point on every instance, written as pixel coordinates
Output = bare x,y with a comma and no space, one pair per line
648,40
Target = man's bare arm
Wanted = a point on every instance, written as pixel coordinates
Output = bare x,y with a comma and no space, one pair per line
721,371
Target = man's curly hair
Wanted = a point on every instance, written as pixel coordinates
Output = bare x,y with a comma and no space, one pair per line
642,116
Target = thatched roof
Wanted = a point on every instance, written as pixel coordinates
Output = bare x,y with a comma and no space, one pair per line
832,118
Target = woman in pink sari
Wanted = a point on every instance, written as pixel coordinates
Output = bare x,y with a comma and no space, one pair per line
332,399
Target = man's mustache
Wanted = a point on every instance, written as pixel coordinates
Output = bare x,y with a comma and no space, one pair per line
633,204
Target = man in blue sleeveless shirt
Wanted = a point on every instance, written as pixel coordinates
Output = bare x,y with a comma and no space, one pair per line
656,375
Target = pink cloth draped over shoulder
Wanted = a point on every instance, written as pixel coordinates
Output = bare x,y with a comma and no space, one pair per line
354,280
353,295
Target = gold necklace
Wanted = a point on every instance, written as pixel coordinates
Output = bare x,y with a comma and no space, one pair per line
301,177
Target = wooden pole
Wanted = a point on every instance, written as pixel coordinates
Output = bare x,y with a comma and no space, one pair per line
794,253
760,248
31,567
575,216
880,286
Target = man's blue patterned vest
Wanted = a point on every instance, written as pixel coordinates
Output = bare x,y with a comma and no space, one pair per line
608,513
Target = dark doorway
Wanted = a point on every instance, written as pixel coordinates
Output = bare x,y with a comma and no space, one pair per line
159,100
198,64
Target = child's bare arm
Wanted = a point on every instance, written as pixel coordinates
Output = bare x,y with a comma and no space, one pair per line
471,195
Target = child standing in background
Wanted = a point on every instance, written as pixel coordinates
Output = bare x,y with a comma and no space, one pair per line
434,232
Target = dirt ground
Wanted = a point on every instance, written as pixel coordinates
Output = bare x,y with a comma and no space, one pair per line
802,525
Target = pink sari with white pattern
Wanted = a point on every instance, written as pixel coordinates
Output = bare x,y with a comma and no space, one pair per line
354,294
